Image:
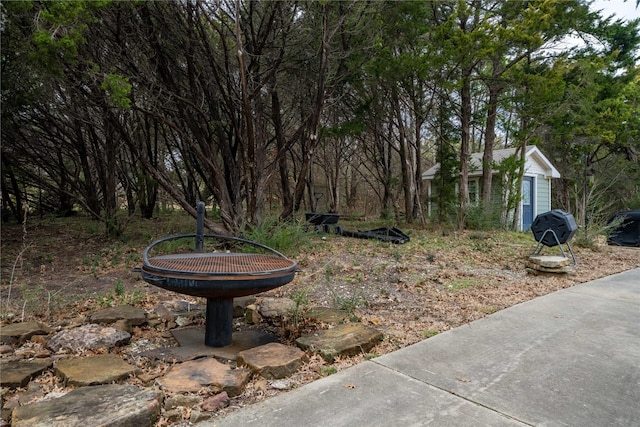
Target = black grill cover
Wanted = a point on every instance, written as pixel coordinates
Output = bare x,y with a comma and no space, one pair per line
627,233
561,222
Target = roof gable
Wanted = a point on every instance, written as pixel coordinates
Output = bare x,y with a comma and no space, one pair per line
532,154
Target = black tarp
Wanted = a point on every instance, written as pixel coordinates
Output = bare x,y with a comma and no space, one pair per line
393,234
628,232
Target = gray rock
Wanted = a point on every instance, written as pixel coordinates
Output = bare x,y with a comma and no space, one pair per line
106,405
217,402
251,315
6,349
123,325
88,337
183,400
173,416
101,369
343,340
275,307
135,316
196,416
241,303
168,310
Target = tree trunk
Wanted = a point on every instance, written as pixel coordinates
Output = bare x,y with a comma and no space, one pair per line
489,140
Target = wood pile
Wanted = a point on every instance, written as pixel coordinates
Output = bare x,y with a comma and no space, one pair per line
537,264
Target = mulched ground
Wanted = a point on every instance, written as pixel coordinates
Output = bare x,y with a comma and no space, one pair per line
410,292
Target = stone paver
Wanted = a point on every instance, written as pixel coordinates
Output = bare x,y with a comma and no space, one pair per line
273,360
18,373
94,370
191,341
549,261
327,314
135,316
104,405
343,340
20,332
191,376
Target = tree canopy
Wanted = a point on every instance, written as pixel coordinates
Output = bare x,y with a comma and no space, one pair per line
268,108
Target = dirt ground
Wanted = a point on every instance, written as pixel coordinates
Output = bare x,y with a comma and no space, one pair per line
437,281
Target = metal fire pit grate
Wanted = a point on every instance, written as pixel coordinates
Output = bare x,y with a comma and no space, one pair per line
219,264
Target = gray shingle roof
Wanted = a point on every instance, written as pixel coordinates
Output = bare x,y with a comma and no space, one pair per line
475,162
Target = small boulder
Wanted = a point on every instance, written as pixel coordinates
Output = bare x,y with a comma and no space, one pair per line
88,337
217,402
275,307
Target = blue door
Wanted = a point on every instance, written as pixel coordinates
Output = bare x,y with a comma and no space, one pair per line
527,202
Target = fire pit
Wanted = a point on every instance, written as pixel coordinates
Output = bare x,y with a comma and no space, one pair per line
218,276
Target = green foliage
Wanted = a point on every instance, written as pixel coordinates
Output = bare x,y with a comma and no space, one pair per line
118,90
301,299
430,333
596,231
444,199
478,219
510,171
348,303
120,296
59,30
285,237
461,283
325,371
118,288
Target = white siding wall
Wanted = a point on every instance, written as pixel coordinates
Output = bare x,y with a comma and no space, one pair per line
532,167
543,196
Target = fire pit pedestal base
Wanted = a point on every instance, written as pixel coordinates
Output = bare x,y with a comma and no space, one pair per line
219,324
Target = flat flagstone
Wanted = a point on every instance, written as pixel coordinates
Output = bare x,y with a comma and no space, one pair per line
88,337
135,316
273,360
193,375
343,340
192,346
101,369
548,261
18,373
110,405
20,332
565,269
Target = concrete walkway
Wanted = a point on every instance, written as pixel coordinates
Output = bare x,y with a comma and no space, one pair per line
571,358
